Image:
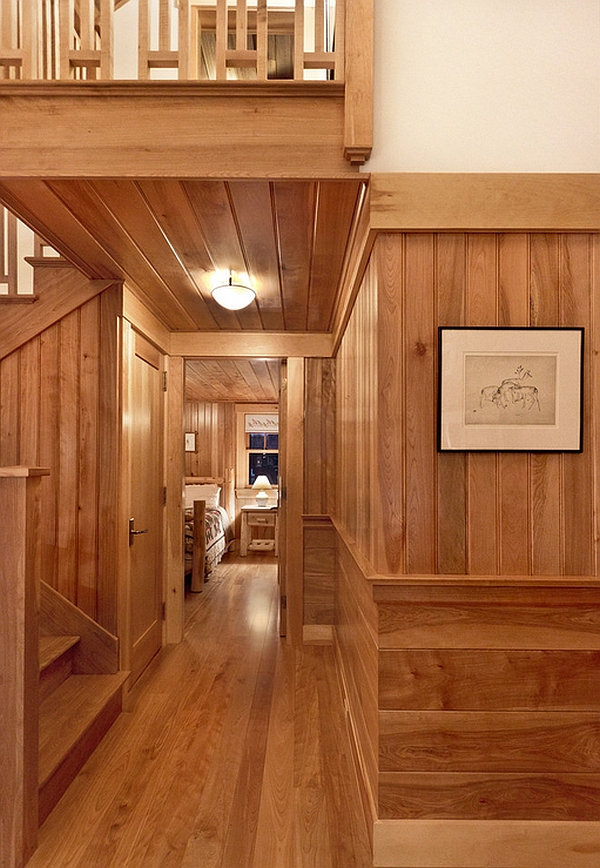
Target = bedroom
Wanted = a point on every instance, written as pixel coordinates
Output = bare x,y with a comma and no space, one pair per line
231,436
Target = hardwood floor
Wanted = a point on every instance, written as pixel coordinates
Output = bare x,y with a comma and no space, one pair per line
235,753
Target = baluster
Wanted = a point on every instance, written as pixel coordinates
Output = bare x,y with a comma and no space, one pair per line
9,264
339,37
222,33
184,41
143,40
241,26
262,41
299,41
164,26
319,26
106,39
66,19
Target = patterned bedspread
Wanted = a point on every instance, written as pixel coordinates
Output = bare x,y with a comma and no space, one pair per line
217,533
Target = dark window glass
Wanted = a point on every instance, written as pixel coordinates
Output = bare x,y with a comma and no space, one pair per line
266,464
256,441
272,441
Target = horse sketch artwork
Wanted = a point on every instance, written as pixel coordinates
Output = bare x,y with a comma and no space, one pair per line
508,390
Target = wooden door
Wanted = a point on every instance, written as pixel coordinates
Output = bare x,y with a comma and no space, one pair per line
145,595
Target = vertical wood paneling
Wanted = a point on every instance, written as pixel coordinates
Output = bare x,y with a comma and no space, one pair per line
451,469
319,443
87,552
475,513
9,410
482,511
546,539
59,400
390,255
578,480
513,476
68,469
29,404
49,448
420,337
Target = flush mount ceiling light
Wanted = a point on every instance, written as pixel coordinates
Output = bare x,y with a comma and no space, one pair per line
233,295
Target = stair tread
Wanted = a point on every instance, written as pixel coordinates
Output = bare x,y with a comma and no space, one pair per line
67,713
51,648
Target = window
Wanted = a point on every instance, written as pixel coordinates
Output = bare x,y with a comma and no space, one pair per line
262,456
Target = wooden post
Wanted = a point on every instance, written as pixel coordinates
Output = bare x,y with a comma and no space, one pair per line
358,105
19,640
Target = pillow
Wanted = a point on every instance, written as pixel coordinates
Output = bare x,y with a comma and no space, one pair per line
209,493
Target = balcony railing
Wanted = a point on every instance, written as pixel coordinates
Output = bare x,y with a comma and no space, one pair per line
183,39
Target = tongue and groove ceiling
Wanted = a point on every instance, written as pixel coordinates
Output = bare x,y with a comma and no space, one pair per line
167,237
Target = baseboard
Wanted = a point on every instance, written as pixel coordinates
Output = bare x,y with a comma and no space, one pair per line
485,844
317,634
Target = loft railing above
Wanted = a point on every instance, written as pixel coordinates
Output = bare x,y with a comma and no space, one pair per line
174,39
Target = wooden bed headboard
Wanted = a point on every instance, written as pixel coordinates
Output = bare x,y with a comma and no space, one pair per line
228,484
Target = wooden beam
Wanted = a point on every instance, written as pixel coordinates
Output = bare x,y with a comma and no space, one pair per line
287,129
252,344
481,202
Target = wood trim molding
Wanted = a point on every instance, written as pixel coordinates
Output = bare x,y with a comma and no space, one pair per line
252,344
494,843
482,202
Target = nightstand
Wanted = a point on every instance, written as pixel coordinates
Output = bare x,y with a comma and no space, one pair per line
255,517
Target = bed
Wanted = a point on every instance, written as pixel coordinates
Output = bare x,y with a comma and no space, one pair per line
208,531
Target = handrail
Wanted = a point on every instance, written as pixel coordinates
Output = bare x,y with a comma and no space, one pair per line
197,39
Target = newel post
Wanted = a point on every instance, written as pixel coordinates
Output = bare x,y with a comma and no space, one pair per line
19,675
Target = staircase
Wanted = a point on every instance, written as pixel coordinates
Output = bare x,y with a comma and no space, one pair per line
76,711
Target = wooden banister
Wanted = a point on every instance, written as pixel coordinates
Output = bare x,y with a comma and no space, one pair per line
19,608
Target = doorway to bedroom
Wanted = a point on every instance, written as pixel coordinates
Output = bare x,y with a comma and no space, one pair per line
233,449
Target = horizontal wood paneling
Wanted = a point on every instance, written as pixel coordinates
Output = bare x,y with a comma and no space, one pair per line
489,680
443,741
427,795
59,409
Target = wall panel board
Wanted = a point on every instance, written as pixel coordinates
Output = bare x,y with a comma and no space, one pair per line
59,402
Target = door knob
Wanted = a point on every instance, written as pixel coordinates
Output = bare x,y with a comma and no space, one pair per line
133,532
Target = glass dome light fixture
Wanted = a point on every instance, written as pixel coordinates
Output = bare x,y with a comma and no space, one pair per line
233,295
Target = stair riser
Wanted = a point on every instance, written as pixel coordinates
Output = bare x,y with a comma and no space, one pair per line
54,787
55,674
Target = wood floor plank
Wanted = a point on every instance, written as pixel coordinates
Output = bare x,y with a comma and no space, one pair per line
231,756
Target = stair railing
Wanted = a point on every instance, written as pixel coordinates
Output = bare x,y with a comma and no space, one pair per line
20,571
74,39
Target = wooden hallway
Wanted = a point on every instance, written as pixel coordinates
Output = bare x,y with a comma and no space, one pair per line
235,753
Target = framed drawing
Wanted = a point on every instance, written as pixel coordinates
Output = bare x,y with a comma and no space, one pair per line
510,389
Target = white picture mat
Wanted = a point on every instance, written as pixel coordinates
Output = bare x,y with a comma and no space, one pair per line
496,389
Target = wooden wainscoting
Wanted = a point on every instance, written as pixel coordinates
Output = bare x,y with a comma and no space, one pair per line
474,700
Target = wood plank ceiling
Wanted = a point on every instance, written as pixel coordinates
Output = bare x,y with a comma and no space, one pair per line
166,238
232,380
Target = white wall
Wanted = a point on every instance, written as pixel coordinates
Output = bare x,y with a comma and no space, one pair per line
487,86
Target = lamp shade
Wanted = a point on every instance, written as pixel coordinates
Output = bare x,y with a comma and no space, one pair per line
262,485
233,296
